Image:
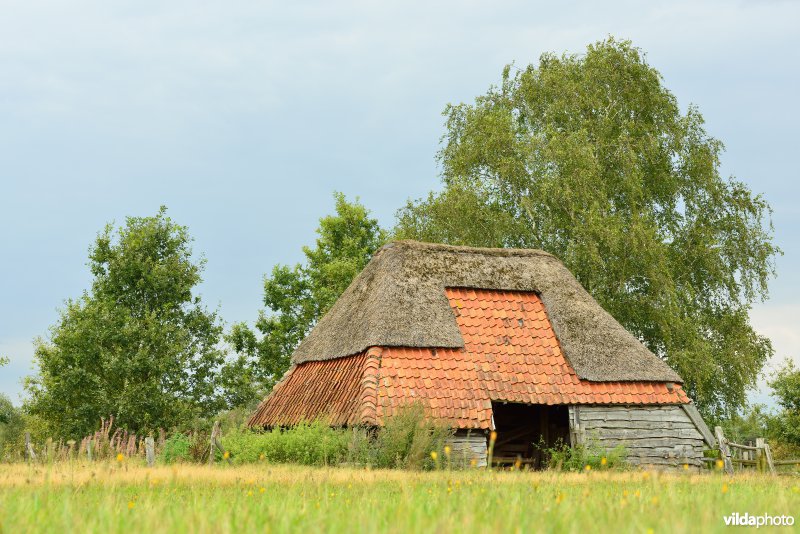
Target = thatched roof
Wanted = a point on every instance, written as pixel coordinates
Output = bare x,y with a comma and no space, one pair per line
399,300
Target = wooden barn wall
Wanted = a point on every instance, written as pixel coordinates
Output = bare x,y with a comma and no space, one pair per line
467,446
659,436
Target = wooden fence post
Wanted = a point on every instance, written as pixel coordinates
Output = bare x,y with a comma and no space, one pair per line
89,449
214,431
150,451
768,456
761,458
29,452
724,450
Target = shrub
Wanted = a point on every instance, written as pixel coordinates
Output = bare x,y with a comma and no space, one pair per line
312,443
408,438
406,441
176,449
565,458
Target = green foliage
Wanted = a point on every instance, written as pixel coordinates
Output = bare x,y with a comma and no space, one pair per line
786,389
176,449
12,428
138,345
405,442
312,443
408,438
589,157
565,458
747,426
298,296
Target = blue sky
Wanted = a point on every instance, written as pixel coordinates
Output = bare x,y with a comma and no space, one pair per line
243,117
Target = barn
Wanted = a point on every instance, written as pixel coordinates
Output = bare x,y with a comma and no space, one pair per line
487,340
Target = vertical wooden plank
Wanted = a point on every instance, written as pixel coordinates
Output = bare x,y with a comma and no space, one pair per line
150,451
29,452
724,449
760,456
214,431
768,455
571,419
89,449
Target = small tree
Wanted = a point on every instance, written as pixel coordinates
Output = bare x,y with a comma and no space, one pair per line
138,345
298,296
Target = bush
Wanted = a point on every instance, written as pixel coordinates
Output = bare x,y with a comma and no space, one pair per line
565,458
406,441
176,449
307,443
408,438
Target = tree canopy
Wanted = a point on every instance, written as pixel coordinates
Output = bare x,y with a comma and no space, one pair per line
590,157
138,345
785,385
296,297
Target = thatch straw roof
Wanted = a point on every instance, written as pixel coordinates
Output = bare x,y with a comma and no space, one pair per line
399,300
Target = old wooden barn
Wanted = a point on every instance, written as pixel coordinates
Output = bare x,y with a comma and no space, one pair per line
487,340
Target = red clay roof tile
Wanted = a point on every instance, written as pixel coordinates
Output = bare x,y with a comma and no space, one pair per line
511,353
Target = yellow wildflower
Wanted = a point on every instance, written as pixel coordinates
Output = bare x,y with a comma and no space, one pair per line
685,467
262,489
588,467
603,461
724,488
131,504
720,464
447,450
120,457
226,455
559,498
434,455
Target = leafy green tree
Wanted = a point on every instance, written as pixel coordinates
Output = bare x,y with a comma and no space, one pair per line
590,157
12,427
785,385
138,345
298,296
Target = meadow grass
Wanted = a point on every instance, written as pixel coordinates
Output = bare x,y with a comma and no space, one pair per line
123,497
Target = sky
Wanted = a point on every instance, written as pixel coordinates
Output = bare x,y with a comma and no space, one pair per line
243,117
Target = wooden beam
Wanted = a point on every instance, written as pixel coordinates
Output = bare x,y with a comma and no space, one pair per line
701,426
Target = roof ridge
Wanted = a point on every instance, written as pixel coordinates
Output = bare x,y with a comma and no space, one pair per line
463,249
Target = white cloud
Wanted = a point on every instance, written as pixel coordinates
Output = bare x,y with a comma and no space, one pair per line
779,324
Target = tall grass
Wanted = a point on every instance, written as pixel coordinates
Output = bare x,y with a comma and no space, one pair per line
121,497
405,441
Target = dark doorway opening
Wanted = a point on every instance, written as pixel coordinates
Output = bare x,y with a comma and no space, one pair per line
524,430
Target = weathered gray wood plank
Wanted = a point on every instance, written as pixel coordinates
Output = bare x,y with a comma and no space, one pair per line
643,425
697,419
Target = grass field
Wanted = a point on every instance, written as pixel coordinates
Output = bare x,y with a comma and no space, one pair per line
117,497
